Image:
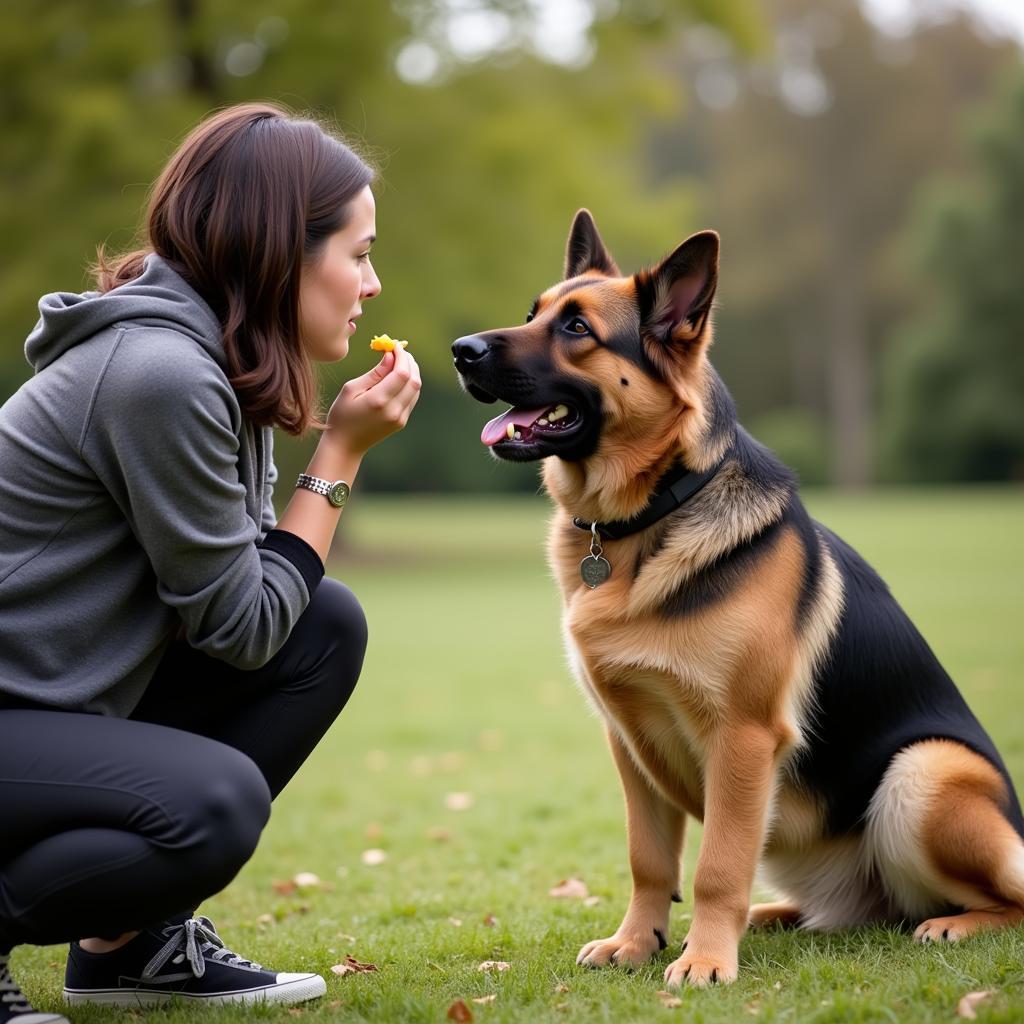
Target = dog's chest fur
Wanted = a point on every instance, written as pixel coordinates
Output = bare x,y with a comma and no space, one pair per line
667,681
663,684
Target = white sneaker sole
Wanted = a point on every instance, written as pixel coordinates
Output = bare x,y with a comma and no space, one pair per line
293,988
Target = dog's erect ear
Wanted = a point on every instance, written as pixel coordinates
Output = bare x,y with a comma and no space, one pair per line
675,296
585,250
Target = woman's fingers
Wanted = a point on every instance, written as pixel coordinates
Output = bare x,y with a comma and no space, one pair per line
359,385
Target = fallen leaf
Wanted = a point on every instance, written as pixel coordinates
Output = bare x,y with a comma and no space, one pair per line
459,1011
265,919
490,740
438,834
373,857
570,889
494,965
283,886
306,880
377,760
965,1008
455,921
670,1001
296,1011
592,901
458,801
561,988
451,761
486,999
352,966
490,921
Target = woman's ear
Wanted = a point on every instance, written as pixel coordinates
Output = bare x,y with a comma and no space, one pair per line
675,296
585,251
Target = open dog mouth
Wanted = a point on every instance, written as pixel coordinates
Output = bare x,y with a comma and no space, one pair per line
522,426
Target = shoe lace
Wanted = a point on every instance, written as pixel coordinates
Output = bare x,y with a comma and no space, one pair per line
10,993
199,939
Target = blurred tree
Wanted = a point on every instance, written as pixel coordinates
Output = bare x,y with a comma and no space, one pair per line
955,386
811,159
488,136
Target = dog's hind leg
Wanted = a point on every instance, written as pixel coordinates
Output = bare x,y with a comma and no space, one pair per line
656,830
942,841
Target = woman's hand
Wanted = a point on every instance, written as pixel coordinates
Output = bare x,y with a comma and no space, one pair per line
376,405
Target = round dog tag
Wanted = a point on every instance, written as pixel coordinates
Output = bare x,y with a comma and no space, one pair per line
594,570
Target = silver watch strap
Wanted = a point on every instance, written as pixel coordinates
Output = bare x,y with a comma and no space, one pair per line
314,483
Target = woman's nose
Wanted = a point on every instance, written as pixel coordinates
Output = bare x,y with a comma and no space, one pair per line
371,285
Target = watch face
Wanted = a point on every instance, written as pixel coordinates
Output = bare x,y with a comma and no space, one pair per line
338,494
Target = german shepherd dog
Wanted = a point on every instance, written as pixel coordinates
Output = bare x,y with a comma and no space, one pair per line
750,668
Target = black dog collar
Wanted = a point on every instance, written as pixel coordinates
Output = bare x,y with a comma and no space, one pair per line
673,490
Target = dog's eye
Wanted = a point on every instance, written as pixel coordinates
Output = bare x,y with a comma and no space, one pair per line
577,326
529,316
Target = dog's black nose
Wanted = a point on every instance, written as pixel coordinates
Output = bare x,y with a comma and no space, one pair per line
469,350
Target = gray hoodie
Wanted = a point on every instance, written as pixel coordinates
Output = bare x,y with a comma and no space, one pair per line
134,498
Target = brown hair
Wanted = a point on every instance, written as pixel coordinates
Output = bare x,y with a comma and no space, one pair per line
249,197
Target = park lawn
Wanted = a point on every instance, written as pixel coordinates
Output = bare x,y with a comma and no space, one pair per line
465,692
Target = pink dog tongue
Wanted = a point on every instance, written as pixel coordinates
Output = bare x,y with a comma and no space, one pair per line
497,429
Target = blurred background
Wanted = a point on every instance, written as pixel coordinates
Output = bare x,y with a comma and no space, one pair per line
863,162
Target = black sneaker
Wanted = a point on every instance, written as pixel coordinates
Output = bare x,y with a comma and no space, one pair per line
14,1007
186,960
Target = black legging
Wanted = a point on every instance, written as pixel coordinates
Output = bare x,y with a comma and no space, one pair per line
108,824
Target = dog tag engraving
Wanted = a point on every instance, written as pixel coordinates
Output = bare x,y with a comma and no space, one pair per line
595,569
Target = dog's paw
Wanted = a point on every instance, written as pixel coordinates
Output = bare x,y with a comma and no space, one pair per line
941,929
959,926
702,967
622,948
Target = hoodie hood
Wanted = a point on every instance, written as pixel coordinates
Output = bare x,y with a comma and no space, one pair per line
159,297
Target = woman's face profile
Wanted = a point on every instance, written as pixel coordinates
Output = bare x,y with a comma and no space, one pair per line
333,287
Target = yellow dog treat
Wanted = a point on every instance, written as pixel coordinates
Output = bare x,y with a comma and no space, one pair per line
382,343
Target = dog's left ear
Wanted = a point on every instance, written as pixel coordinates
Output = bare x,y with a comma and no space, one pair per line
585,251
675,296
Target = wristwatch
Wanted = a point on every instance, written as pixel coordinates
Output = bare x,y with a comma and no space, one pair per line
336,493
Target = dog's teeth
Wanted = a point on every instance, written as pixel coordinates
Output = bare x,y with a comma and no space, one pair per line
542,422
519,436
559,412
510,431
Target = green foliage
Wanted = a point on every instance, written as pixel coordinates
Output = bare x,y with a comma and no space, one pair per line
956,380
483,163
798,437
481,169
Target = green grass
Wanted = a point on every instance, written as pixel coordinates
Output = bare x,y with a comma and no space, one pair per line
465,690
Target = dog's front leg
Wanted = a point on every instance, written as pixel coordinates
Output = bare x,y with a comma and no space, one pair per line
737,788
655,830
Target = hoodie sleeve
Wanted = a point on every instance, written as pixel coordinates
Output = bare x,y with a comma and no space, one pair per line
269,515
163,436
